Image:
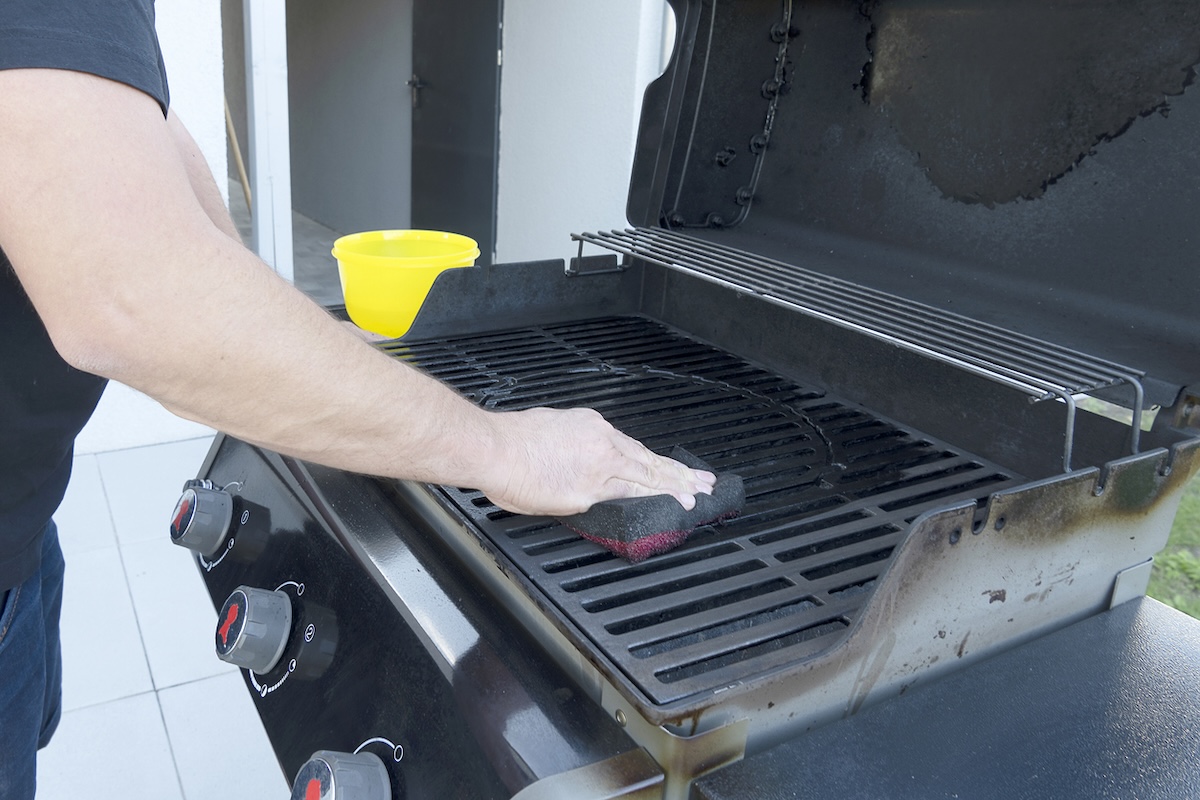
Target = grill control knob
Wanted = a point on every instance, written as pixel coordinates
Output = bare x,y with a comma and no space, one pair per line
253,628
203,517
342,776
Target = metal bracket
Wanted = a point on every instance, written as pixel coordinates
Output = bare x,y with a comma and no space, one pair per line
1131,583
602,264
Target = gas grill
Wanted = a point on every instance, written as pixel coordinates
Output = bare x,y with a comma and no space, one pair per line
887,305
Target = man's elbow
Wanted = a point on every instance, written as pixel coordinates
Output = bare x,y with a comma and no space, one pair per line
98,338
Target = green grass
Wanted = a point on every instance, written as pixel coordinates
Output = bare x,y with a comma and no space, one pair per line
1176,576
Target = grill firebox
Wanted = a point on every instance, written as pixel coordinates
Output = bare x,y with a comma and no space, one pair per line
831,490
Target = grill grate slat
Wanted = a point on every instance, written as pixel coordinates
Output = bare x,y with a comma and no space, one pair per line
830,487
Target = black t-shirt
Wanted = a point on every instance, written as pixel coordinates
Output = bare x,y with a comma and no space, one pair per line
44,402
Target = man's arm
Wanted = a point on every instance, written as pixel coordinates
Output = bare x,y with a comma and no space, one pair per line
200,177
135,281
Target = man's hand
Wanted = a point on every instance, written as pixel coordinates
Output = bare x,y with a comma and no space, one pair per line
562,462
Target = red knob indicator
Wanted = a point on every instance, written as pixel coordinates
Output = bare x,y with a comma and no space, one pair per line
231,615
253,628
330,775
203,518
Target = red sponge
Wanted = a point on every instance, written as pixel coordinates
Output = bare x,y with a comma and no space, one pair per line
636,528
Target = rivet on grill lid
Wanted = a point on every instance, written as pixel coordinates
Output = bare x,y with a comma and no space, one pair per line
621,718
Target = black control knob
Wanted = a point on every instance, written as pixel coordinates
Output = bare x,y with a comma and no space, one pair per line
253,628
342,776
202,519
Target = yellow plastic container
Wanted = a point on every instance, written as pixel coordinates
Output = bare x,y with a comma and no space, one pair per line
387,274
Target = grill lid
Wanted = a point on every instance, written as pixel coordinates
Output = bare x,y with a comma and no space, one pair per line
1026,165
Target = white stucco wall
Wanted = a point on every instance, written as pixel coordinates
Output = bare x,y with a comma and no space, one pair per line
570,98
189,32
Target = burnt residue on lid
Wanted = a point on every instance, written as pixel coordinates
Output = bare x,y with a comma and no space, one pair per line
1024,164
999,101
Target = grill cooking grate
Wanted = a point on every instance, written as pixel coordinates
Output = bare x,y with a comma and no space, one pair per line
831,490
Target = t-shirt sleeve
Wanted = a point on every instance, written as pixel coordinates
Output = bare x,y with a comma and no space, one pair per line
114,39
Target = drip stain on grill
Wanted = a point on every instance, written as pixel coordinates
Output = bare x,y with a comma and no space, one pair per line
831,492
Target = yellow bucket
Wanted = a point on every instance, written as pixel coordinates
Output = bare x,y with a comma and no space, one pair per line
387,274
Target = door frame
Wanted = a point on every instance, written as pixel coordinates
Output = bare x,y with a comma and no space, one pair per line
268,131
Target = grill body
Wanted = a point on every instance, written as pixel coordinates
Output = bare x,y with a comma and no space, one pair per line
880,254
873,557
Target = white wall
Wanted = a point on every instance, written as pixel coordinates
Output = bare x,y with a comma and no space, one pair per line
570,98
189,32
351,118
571,92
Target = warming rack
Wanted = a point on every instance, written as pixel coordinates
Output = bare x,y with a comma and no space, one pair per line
1043,370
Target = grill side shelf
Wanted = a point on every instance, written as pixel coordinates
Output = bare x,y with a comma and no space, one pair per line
1042,370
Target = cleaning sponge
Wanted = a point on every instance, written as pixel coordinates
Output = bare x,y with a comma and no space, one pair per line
636,528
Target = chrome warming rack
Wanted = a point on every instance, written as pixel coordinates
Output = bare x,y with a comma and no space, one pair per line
1040,369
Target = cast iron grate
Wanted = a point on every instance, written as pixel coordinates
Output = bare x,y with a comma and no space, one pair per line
831,490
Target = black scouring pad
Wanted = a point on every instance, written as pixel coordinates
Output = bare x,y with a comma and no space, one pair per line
636,528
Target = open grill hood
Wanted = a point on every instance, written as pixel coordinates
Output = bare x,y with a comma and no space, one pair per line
1026,165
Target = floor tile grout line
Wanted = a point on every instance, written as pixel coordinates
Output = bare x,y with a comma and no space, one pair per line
170,744
137,620
107,701
112,524
184,440
141,636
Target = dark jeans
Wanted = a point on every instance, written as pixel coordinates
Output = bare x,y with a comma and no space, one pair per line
30,671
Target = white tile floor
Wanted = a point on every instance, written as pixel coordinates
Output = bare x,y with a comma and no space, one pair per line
147,705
